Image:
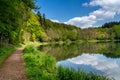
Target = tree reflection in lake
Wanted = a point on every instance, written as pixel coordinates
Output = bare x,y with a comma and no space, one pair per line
101,58
62,52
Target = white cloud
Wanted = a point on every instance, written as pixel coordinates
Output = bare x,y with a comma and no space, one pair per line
108,9
102,14
82,21
55,20
110,67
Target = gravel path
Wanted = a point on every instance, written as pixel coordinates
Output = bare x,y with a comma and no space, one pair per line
13,67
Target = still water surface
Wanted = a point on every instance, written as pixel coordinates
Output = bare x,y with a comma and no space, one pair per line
101,58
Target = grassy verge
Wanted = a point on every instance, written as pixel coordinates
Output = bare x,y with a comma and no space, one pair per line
5,51
43,67
38,66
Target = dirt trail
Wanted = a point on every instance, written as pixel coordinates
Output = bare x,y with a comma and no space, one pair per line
13,67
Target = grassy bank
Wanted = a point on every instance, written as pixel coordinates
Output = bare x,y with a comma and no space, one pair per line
71,74
5,51
38,66
43,67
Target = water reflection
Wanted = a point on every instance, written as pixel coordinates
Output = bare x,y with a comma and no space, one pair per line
96,63
62,52
101,58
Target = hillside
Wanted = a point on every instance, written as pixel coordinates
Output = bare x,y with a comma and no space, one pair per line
41,29
19,24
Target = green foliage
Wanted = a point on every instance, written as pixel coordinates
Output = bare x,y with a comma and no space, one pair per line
13,15
6,51
38,65
117,31
71,74
17,19
110,24
7,11
30,3
103,33
34,28
57,31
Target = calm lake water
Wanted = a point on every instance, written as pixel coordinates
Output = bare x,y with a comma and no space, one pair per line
101,58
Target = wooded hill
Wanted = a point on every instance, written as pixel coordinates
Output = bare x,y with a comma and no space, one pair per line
18,24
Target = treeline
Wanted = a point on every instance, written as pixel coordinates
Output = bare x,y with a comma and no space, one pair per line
51,31
41,29
109,31
18,23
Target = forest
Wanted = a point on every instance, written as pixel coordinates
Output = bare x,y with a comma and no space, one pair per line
19,24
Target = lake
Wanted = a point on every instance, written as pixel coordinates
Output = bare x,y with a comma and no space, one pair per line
100,58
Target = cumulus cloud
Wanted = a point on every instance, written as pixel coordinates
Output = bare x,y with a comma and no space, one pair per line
108,9
102,14
82,21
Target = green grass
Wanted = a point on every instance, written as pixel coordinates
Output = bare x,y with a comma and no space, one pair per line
5,51
71,74
38,65
43,67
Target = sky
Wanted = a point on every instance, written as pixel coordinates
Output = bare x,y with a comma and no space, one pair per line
81,13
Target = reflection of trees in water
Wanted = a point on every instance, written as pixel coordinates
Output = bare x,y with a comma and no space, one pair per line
61,52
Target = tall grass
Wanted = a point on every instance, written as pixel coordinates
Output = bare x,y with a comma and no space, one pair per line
38,65
71,74
43,67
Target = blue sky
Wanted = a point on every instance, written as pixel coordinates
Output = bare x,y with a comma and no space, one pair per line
81,13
